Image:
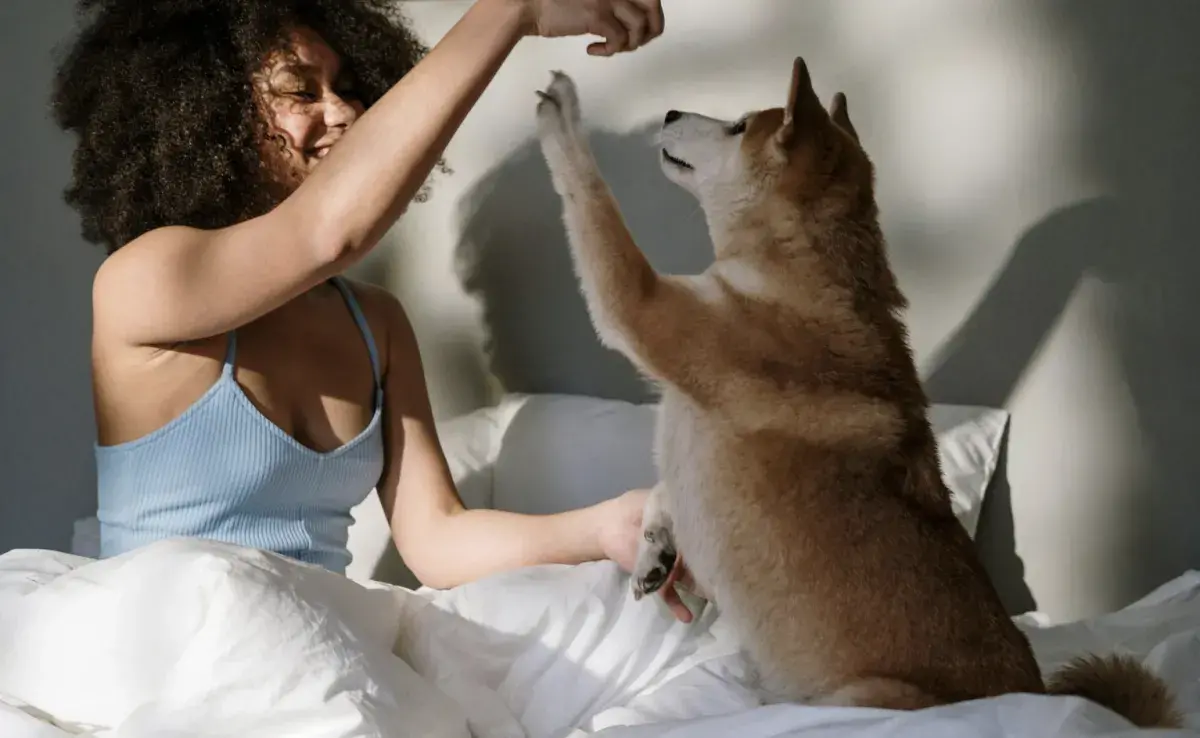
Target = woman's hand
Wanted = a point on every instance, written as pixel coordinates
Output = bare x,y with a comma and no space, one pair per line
624,25
621,530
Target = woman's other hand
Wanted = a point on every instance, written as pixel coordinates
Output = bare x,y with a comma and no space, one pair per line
624,25
621,530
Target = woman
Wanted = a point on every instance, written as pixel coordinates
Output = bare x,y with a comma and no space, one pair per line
235,157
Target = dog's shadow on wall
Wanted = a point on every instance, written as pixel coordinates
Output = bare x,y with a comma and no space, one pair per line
1149,324
1139,243
513,257
984,360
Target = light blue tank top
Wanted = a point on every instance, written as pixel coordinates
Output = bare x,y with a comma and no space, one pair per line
223,471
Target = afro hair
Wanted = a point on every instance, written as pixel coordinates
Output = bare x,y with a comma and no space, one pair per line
160,96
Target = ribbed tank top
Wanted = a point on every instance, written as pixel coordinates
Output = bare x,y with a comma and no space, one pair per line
222,470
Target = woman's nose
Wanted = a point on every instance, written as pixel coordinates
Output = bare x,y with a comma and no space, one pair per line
339,112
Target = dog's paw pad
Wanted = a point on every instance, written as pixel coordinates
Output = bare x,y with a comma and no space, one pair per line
650,582
655,563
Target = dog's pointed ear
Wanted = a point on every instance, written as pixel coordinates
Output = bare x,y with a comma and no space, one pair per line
840,113
804,109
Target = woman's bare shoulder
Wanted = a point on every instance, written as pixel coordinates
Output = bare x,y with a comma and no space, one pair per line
387,318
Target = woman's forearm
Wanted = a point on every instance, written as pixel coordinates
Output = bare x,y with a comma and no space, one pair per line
369,178
471,544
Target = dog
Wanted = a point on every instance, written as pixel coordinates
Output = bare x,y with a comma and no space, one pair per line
799,473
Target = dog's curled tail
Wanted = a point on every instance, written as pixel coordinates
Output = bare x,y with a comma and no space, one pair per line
1121,684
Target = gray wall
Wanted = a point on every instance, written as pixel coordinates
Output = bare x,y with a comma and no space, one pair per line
1036,173
46,474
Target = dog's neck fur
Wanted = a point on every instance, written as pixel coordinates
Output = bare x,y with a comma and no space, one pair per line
827,267
824,253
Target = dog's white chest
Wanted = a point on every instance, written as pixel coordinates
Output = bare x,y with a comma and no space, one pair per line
687,451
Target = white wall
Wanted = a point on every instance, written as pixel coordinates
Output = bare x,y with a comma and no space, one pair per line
1034,173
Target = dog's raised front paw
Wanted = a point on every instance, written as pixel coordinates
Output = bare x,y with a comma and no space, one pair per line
558,108
656,559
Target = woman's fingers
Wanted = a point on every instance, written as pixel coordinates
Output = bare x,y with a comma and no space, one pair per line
627,25
614,33
655,21
671,595
678,609
633,17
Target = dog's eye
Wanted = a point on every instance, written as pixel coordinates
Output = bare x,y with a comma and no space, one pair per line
738,128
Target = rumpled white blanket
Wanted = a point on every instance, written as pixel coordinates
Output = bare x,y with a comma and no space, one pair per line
194,638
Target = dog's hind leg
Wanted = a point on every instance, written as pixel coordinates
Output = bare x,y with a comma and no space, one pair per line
656,551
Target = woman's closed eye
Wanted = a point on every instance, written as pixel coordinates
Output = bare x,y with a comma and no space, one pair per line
311,96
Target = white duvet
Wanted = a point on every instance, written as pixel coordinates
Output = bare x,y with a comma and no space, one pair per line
201,639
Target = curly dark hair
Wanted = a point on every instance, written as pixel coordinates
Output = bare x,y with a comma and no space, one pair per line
160,95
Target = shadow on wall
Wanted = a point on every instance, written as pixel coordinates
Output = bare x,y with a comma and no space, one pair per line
461,384
1142,112
983,362
514,258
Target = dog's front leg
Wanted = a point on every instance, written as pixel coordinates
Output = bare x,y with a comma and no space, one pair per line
634,309
656,551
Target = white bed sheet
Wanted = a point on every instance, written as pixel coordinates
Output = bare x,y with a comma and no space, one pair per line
201,639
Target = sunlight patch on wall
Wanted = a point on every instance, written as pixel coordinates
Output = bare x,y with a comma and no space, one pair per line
1075,411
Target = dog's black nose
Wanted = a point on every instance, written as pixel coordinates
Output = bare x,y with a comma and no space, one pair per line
673,115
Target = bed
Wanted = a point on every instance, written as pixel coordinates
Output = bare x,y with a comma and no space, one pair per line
195,638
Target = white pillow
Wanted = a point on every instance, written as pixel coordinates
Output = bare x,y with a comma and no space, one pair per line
560,452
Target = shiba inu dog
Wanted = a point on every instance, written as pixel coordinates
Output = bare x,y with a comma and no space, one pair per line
800,479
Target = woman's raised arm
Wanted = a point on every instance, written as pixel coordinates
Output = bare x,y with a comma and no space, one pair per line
177,284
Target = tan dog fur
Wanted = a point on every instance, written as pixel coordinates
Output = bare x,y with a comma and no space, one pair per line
799,474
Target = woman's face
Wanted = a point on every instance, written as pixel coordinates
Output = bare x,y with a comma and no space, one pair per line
309,102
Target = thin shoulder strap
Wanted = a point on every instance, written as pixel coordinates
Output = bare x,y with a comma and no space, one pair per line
230,352
363,326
